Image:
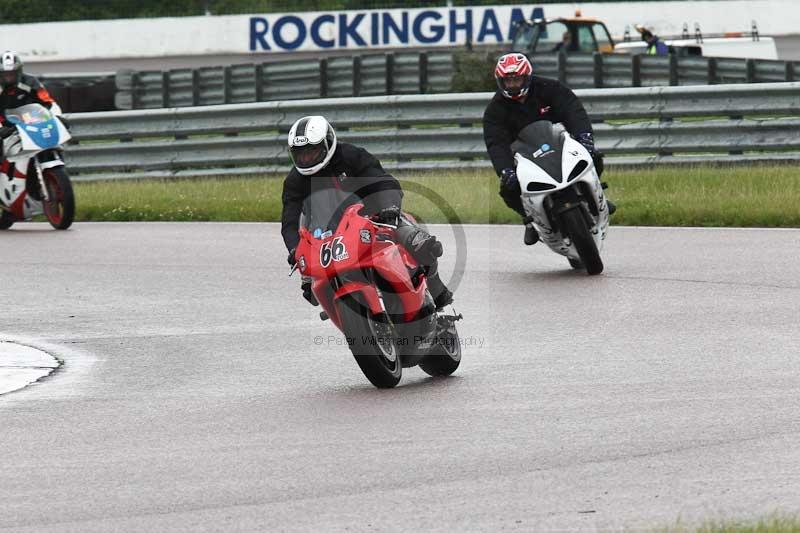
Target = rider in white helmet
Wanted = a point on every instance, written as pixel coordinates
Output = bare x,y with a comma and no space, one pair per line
320,162
18,89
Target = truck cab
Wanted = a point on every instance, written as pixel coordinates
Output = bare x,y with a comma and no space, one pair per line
572,35
585,35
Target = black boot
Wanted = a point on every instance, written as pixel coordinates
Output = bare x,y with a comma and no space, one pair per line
531,235
441,294
612,207
425,248
420,244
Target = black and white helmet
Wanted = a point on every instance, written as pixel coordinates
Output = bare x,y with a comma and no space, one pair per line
312,143
10,69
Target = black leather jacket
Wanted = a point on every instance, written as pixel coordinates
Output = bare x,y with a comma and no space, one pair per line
353,170
28,90
504,118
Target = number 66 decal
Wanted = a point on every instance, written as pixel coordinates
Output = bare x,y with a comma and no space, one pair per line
332,251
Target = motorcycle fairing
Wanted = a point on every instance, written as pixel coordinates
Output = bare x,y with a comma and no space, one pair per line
40,134
380,255
537,185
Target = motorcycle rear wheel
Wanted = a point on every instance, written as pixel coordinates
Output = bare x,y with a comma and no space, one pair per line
574,224
60,208
445,357
372,342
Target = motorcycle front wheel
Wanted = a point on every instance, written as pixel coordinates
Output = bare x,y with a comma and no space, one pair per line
373,343
574,224
60,208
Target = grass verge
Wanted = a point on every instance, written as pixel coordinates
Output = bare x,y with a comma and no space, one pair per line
772,524
753,196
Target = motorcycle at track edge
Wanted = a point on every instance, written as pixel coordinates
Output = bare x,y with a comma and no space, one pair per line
562,194
33,178
374,292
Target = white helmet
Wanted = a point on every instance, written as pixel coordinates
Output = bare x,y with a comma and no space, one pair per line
10,69
312,143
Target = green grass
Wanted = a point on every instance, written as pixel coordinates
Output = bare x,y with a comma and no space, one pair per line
767,195
773,524
706,196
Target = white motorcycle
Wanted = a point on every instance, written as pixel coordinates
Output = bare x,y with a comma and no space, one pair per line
562,194
33,179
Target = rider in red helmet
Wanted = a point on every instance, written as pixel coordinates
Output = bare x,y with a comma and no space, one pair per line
521,99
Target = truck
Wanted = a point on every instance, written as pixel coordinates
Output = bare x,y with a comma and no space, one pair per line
581,34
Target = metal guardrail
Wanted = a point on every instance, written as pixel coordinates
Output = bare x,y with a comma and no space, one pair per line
367,75
72,77
662,125
421,73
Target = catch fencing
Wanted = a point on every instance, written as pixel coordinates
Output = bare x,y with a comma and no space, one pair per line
421,73
637,126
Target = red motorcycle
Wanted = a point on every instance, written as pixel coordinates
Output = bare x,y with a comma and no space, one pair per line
374,292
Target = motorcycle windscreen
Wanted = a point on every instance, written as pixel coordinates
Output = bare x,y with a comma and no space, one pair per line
38,124
541,143
28,114
323,209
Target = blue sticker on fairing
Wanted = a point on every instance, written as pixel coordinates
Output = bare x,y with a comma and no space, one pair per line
44,134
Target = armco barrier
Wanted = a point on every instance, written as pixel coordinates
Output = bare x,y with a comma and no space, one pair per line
732,123
420,73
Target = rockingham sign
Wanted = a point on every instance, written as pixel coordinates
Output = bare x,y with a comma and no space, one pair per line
262,34
391,28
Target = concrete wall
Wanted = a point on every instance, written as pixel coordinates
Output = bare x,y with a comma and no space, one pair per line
260,35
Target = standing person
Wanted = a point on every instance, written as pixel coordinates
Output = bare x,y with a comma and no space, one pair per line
655,47
564,45
520,100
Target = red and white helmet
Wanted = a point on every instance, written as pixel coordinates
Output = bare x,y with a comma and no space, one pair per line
513,75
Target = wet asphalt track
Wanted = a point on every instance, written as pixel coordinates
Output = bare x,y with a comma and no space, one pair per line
194,396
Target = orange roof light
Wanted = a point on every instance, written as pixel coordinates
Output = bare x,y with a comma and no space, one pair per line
577,12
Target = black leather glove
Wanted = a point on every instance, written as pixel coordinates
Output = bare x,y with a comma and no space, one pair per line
597,158
6,131
291,260
388,215
307,294
587,140
66,123
509,181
